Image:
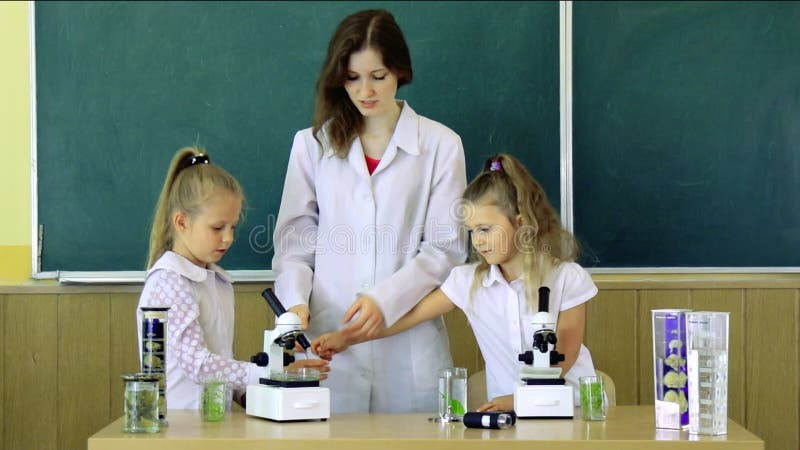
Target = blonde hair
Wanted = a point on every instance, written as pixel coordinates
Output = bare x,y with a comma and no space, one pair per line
540,238
191,180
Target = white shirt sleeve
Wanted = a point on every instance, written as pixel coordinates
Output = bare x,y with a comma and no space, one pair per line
458,284
578,286
296,228
185,336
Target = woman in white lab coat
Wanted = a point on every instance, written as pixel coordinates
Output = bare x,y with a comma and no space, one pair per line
368,220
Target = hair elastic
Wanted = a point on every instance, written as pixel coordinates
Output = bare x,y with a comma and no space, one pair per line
496,166
199,159
194,160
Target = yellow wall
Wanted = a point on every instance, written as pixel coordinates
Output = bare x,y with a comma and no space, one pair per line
15,125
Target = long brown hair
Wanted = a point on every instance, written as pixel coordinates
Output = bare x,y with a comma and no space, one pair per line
191,180
541,239
373,28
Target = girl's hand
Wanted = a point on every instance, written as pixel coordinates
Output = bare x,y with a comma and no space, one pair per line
329,344
502,403
317,364
304,313
369,322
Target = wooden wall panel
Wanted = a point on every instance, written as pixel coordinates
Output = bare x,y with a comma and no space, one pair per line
31,388
611,324
772,367
463,346
123,338
649,300
253,316
732,301
41,350
83,367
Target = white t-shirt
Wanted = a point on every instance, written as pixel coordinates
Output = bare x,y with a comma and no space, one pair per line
200,328
500,317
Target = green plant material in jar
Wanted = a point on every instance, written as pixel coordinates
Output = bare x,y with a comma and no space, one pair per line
212,401
592,400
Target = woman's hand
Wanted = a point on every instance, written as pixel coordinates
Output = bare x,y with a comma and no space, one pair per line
502,403
330,344
369,323
303,313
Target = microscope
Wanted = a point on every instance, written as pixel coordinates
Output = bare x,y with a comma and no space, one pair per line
541,391
283,395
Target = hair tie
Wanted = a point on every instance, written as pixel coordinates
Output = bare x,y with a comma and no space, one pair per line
194,160
198,159
496,166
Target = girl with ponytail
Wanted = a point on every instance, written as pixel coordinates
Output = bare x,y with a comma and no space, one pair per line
518,245
198,209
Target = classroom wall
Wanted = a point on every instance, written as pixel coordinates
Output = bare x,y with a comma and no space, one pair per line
60,379
15,192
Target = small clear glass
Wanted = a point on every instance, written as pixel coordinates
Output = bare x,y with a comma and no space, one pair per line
213,400
593,406
141,403
452,394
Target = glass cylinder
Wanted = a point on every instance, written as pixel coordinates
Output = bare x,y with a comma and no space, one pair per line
592,405
141,403
707,344
452,394
154,351
669,368
213,400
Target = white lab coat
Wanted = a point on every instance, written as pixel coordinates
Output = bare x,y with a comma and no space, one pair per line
393,236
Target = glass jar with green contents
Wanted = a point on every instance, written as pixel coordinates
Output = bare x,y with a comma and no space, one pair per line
592,405
213,400
141,403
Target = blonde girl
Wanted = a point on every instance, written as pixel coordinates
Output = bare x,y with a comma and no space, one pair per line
520,245
197,212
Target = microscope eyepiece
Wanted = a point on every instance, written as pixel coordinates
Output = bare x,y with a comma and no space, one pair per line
544,299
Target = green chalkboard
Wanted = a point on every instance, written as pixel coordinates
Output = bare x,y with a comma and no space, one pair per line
121,86
687,133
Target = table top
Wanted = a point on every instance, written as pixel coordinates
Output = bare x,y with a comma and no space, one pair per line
627,427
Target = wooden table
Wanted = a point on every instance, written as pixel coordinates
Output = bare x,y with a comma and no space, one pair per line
627,427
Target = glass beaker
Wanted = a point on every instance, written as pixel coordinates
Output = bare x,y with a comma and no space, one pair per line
452,394
593,407
707,343
141,403
213,400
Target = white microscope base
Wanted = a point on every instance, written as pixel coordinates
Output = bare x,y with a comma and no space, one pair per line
541,400
283,404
